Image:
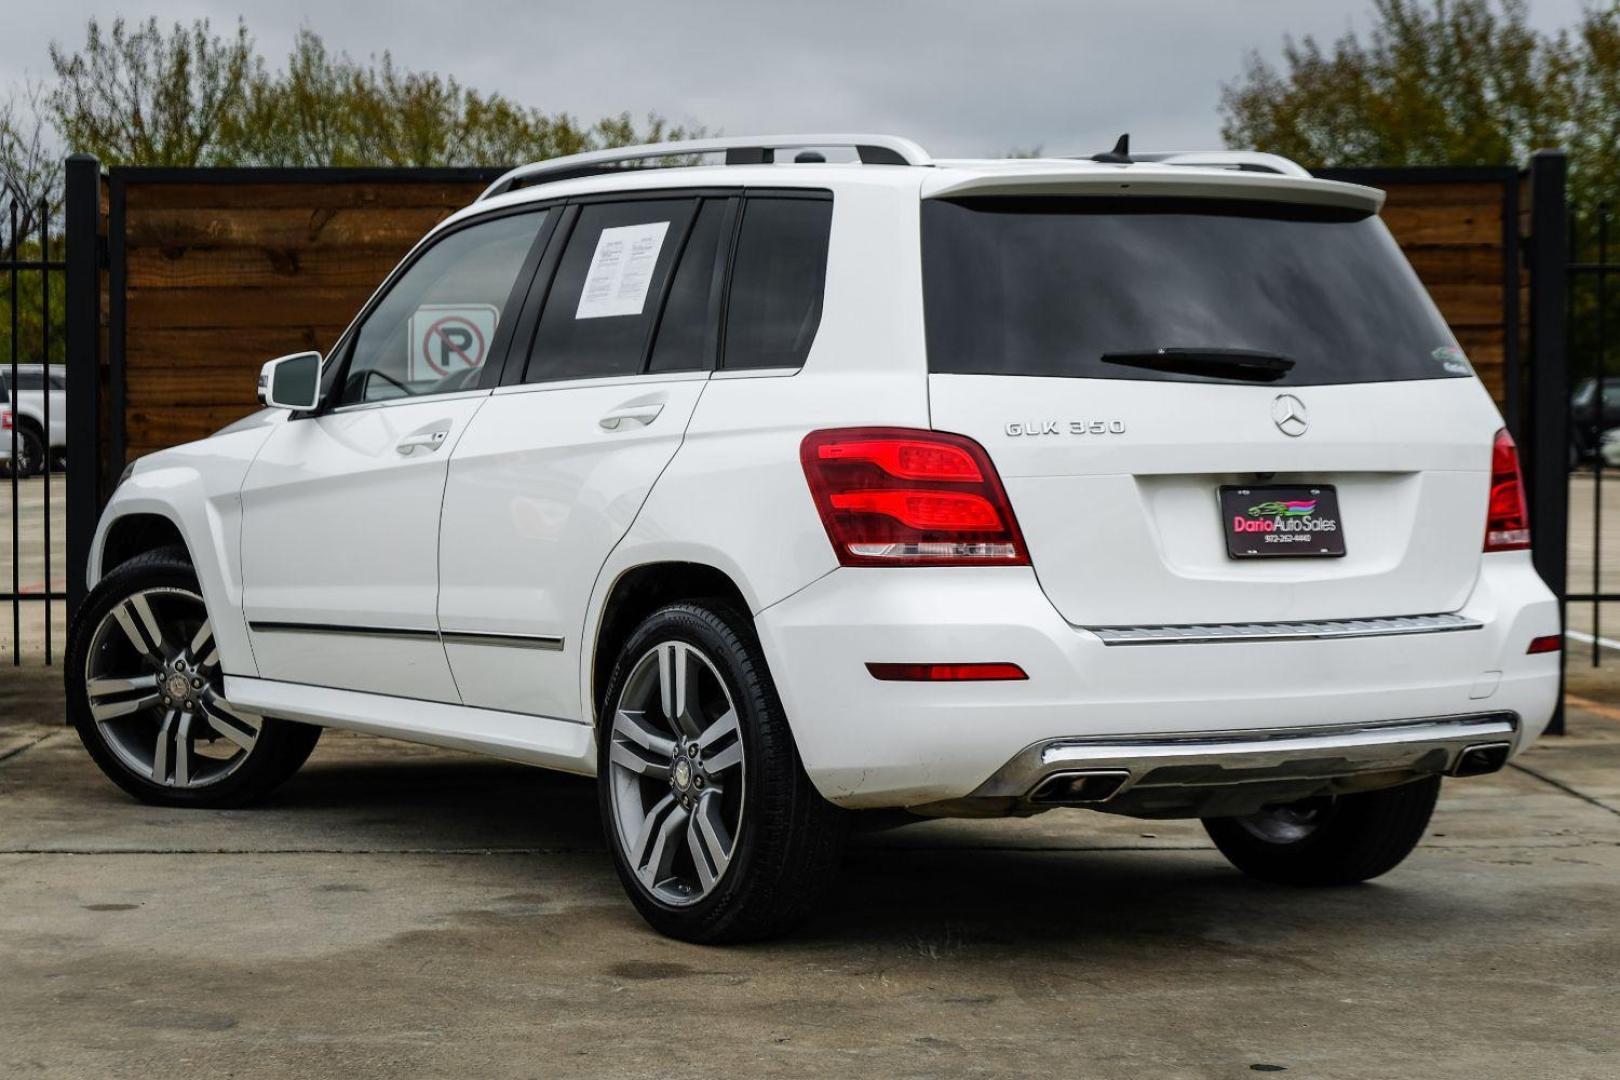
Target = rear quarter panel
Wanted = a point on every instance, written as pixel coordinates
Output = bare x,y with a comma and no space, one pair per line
735,497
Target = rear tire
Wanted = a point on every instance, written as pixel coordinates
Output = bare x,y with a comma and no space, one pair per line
30,460
146,694
719,781
1329,841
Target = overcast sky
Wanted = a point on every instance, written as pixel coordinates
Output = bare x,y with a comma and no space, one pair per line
960,77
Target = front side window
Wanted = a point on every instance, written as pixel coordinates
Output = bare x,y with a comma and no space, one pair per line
777,279
435,329
607,290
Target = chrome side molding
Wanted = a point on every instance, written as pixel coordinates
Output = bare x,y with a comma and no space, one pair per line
447,637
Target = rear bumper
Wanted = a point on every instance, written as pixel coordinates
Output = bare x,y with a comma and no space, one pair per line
867,743
1228,773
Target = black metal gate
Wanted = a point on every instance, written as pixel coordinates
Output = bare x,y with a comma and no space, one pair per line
1594,406
31,414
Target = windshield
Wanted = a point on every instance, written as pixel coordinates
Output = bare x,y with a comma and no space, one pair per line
1086,286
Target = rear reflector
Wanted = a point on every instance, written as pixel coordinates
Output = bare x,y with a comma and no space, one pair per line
1550,643
904,497
946,672
1507,520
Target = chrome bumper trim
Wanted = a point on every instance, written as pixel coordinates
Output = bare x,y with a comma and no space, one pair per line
1201,761
1283,631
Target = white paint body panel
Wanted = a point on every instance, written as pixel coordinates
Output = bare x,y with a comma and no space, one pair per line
1123,528
539,493
341,529
197,487
532,740
870,743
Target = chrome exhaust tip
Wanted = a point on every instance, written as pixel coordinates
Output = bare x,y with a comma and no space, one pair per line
1079,788
1481,759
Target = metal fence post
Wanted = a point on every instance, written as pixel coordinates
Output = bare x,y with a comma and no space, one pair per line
82,212
1548,414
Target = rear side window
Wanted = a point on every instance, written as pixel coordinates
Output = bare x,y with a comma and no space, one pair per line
686,329
1067,287
607,290
777,278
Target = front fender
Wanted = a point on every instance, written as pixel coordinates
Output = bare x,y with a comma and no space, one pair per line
197,487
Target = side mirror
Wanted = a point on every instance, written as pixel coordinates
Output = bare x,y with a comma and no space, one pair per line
291,382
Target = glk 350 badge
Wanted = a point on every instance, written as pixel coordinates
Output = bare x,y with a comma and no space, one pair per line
1060,427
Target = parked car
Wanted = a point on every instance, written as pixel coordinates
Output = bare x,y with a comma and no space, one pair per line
1583,403
768,492
40,444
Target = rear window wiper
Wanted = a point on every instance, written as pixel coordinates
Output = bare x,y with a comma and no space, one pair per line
1246,364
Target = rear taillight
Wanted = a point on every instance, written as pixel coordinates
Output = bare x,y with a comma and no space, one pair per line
1507,521
1547,644
903,497
5,420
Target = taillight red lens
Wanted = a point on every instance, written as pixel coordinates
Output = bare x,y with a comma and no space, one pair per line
946,672
902,497
1507,521
5,421
1547,644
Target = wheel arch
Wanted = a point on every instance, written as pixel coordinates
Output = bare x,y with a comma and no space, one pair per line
637,592
137,533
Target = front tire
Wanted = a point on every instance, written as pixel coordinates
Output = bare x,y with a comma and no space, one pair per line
1331,840
716,831
146,694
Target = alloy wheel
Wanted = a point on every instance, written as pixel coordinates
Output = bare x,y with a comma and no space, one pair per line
676,761
156,692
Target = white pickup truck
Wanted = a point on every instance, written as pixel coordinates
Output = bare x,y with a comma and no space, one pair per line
23,410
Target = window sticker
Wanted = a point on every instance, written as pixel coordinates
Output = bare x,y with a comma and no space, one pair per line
446,339
621,271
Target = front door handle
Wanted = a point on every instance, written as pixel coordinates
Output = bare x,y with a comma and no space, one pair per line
428,441
635,414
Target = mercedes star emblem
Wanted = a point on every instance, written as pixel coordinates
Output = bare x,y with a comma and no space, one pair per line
1288,412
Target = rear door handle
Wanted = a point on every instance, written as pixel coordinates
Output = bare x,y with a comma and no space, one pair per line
427,441
635,414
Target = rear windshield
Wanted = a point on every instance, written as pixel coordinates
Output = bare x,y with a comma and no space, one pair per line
1052,286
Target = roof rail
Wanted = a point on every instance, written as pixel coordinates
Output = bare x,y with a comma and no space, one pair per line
739,150
1242,160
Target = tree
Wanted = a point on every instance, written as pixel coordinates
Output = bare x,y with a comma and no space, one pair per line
140,97
329,109
1440,82
1455,82
30,168
1461,82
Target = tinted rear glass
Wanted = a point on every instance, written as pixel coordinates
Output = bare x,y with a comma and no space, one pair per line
777,279
1051,286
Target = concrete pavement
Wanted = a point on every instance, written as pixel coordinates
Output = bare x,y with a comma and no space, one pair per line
399,910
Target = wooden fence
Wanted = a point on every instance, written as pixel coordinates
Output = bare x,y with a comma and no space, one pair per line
207,273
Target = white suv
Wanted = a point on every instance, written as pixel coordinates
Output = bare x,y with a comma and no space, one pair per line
767,490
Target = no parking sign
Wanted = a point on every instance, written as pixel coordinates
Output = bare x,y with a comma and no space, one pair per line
446,339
